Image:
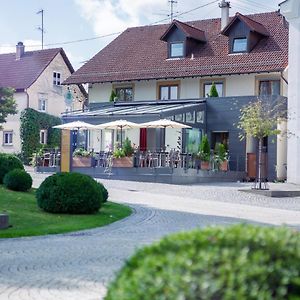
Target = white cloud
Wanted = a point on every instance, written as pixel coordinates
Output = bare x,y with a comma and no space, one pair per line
31,45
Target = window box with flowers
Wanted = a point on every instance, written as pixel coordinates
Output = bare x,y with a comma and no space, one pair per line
82,158
122,157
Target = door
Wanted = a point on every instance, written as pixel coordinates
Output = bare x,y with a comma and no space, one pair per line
143,139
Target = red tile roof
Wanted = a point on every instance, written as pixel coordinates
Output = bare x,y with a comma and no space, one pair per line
139,54
253,25
21,74
189,31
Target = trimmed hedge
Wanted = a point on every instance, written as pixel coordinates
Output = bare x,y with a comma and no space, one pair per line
17,180
240,262
71,193
104,192
9,162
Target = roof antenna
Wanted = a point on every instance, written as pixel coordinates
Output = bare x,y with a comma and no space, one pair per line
41,28
172,2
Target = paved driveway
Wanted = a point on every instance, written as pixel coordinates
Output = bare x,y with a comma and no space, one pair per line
79,265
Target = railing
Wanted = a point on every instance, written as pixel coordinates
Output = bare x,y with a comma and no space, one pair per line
47,158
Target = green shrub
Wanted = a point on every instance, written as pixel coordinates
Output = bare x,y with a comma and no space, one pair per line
204,149
71,193
213,91
104,192
17,180
127,147
239,262
9,162
221,152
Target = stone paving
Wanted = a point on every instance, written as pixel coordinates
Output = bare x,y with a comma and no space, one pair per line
79,265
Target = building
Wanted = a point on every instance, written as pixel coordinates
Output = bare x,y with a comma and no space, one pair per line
168,70
36,77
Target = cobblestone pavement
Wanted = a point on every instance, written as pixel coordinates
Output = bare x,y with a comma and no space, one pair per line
79,265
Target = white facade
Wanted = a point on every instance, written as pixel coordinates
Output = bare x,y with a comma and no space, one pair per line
42,89
291,10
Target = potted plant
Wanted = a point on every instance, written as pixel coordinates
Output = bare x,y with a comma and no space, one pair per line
204,153
82,158
221,157
122,157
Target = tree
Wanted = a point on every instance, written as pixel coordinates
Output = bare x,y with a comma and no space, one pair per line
260,119
213,91
8,105
113,96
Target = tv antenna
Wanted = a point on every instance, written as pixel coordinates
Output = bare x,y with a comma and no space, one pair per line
172,2
41,28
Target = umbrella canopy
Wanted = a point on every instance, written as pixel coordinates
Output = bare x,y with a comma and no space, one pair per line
76,125
163,123
118,124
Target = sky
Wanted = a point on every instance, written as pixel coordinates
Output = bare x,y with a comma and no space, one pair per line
67,21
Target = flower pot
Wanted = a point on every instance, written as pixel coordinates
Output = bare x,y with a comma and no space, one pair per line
204,165
81,161
123,162
223,166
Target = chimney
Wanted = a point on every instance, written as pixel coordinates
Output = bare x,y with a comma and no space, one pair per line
20,49
224,5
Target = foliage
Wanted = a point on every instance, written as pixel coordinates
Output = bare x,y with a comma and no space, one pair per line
8,105
32,122
221,153
27,219
239,262
81,152
259,119
204,149
127,147
113,96
118,153
9,162
213,91
104,192
17,180
72,193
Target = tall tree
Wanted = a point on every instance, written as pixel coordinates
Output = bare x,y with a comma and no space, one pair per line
260,119
8,105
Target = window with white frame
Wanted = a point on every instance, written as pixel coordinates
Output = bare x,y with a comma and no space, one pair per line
7,138
43,136
56,78
176,49
42,104
219,86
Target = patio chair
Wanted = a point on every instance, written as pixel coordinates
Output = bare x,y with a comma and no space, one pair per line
46,159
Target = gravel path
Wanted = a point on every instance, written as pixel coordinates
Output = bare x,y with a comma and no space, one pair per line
79,265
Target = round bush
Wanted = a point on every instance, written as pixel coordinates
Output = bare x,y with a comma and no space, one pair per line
9,162
71,193
17,180
238,262
104,192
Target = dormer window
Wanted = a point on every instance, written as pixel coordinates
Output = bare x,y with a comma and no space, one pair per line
176,49
239,45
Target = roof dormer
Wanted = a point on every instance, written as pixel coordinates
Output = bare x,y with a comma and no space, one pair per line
182,39
244,33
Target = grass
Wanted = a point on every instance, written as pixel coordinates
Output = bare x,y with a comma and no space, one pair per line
27,219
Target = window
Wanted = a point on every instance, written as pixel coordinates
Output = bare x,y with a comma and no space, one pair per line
42,105
269,87
124,93
56,78
176,49
43,136
219,86
239,45
167,92
7,138
219,137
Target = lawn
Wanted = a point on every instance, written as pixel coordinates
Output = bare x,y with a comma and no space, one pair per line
28,220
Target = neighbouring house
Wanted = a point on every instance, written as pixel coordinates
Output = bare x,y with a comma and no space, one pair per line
36,77
166,71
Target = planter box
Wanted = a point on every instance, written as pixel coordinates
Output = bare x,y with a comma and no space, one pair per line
204,165
123,162
223,166
80,161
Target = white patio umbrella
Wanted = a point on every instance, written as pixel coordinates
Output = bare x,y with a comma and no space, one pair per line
118,124
76,125
164,123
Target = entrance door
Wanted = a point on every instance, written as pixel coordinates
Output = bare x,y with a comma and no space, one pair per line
143,139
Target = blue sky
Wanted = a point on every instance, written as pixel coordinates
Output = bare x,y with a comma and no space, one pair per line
69,20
